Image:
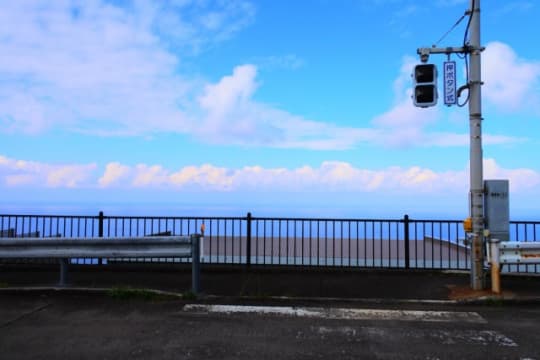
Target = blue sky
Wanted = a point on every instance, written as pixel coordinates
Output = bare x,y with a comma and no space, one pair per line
259,104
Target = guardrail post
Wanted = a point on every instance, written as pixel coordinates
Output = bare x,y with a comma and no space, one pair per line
195,264
407,240
495,266
63,272
248,240
100,231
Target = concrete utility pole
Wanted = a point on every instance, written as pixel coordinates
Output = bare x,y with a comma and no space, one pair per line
474,49
476,156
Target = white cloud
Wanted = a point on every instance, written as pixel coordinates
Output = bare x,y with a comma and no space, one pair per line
95,70
30,173
330,176
69,176
231,91
229,112
206,177
403,125
232,116
100,68
114,173
511,83
149,176
520,178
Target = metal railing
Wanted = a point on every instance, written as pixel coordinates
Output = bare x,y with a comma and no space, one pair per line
350,243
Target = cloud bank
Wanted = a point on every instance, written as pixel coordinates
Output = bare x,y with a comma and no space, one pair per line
31,173
330,176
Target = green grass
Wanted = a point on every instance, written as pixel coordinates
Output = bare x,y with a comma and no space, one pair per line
128,293
189,295
494,301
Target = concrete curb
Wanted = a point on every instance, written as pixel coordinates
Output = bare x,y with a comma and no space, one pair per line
89,290
493,300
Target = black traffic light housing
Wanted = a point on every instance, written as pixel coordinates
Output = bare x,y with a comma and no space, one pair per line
425,85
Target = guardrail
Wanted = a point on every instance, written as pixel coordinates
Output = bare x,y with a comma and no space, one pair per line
510,252
513,252
109,248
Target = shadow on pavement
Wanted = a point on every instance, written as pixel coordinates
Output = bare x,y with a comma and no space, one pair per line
263,282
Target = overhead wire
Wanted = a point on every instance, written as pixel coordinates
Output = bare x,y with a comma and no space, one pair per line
451,29
465,46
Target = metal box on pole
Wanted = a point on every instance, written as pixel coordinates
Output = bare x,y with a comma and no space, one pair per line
497,209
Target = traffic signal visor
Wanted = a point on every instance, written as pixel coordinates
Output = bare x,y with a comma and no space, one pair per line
425,73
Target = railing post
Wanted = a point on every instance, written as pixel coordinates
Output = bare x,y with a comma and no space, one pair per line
100,231
100,224
195,264
407,241
248,240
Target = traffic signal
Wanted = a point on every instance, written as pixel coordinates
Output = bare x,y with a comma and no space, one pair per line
425,85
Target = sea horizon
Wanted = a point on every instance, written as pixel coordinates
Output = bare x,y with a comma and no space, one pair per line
217,209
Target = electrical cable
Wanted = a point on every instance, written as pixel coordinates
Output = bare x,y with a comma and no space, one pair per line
465,56
451,29
467,67
467,86
466,100
469,23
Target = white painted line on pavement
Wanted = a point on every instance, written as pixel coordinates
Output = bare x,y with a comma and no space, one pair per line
477,337
343,313
445,337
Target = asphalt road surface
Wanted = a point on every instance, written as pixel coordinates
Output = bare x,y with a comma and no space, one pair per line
99,326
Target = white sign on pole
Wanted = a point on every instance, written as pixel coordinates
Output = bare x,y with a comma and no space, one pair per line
450,97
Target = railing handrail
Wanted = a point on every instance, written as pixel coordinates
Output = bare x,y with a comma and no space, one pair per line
254,218
155,217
